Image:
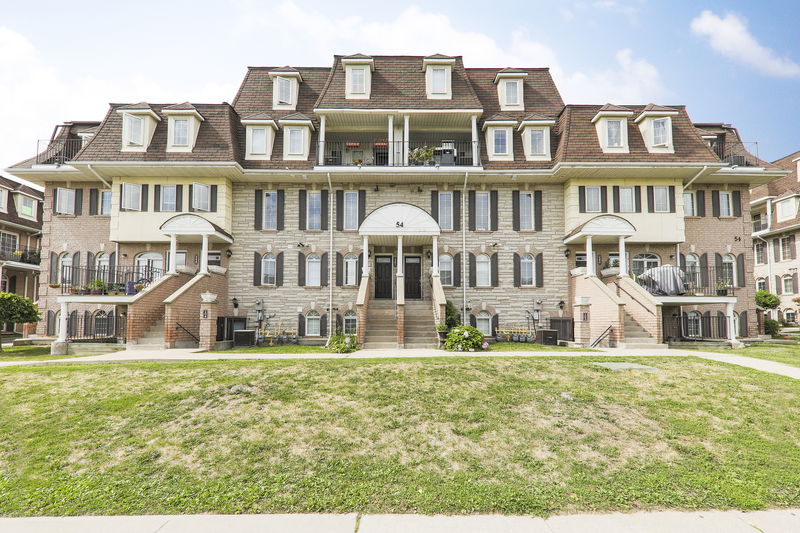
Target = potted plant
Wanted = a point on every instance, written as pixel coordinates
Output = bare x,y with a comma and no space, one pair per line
54,285
421,155
442,329
97,286
722,288
138,287
358,162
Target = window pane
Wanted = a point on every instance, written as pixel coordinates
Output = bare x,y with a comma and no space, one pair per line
483,323
483,271
500,142
295,141
537,142
134,129
181,132
439,80
446,269
314,210
350,269
614,133
526,211
105,204
131,196
526,270
725,204
661,197
688,204
350,323
593,199
313,264
312,324
482,211
268,270
627,202
168,196
660,131
350,210
284,90
446,210
357,78
200,195
270,210
258,141
66,201
512,93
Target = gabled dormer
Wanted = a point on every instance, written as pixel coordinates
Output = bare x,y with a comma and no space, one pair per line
655,124
535,131
510,84
138,125
285,87
438,70
183,125
358,70
611,123
260,131
297,129
499,130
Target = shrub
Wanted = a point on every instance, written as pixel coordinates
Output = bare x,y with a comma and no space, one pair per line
453,316
463,339
771,327
767,300
341,343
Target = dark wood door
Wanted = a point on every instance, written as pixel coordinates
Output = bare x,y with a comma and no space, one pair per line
413,271
383,276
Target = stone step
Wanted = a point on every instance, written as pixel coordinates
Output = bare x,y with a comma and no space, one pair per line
420,345
642,340
151,346
379,345
646,346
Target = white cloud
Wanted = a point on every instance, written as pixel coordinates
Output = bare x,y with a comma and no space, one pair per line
731,37
632,81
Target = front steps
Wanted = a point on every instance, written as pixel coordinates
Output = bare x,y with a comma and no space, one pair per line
152,340
636,337
420,328
381,325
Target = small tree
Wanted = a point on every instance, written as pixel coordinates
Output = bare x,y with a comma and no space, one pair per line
453,317
17,309
767,300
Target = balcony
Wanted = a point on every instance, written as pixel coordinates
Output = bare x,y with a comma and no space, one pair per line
738,154
670,280
57,151
119,281
759,225
378,152
21,254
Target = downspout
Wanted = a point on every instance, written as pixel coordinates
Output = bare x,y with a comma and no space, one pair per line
678,245
705,167
464,277
330,261
768,255
98,176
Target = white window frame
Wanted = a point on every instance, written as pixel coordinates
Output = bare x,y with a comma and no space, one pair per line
786,209
760,252
497,134
446,274
271,207
786,248
729,264
527,211
483,323
446,211
101,209
163,205
258,148
314,270
620,142
350,323
131,201
761,284
285,89
725,204
665,140
787,278
350,263
663,189
350,210
594,189
483,270
176,130
527,262
438,80
66,201
515,84
312,317
9,242
292,137
4,200
627,205
269,262
133,125
689,204
181,258
694,324
790,315
313,215
483,223
197,199
33,207
64,261
354,87
533,133
645,261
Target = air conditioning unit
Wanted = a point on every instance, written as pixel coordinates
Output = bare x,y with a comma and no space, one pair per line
244,337
547,337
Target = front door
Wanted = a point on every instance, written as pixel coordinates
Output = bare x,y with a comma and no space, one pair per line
413,271
383,276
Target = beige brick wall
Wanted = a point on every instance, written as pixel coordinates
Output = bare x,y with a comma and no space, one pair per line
605,308
185,308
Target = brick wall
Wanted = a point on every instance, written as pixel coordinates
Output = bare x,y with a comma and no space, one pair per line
605,309
148,309
644,309
184,309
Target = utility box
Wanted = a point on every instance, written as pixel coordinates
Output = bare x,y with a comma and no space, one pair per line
547,337
244,337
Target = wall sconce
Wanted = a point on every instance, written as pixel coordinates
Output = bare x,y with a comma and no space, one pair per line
228,253
599,259
259,305
301,245
419,189
376,188
235,302
566,252
561,304
495,244
428,254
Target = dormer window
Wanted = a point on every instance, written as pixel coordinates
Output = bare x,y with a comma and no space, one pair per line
499,138
285,88
660,137
259,136
138,125
536,137
614,135
510,87
180,134
500,141
611,124
295,141
439,80
183,125
655,125
512,93
358,76
258,141
438,76
133,130
537,141
297,130
357,84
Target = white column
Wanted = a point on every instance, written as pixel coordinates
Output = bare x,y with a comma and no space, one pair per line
62,322
623,259
390,138
435,267
731,328
475,151
590,270
204,255
405,140
365,261
173,254
399,256
321,147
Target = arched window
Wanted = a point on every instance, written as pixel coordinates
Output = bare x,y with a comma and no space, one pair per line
351,269
694,325
646,261
149,265
729,270
736,322
101,324
790,315
350,322
693,269
57,324
313,277
101,266
788,284
761,284
526,270
312,324
268,270
446,269
483,271
65,268
484,323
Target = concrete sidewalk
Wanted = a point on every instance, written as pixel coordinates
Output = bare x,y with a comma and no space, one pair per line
775,521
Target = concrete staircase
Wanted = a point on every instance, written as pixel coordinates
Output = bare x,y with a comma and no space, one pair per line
637,337
381,325
152,340
420,328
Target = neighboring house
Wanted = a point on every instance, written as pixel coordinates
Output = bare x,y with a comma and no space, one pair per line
366,194
20,232
776,223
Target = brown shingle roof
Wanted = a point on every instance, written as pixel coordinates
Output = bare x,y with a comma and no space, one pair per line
781,187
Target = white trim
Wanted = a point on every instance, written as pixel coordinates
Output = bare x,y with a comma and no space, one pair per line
602,114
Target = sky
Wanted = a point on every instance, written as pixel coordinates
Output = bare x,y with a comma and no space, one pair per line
734,61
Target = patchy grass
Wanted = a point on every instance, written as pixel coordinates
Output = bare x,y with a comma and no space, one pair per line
441,435
780,353
284,348
30,353
530,347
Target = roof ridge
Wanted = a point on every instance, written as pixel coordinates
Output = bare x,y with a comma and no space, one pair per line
328,82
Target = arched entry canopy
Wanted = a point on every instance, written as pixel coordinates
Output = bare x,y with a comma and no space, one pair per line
602,229
192,228
385,223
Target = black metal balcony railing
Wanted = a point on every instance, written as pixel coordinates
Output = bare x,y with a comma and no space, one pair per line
759,225
123,280
699,327
57,152
100,327
670,280
21,254
742,154
381,153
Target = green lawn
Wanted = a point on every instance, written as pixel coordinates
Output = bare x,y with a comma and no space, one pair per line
530,347
781,353
30,353
495,347
285,348
440,435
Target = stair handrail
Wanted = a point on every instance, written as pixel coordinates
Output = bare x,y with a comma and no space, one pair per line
633,297
602,336
192,335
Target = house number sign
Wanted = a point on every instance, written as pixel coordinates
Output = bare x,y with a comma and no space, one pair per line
398,224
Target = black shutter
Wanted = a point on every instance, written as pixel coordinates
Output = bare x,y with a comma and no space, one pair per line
471,269
740,277
539,270
78,201
717,267
301,269
515,210
279,269
794,282
53,275
537,210
362,206
650,199
301,325
715,203
258,218
457,270
301,207
55,200
212,201
704,270
360,267
179,198
516,270
75,278
737,203
776,249
700,197
472,320
792,248
722,321
256,269
495,324
339,266
494,273
339,204
144,198
743,329
603,199
682,262
323,270
457,210
323,325
12,284
637,197
767,281
281,209
471,210
90,275
671,198
778,284
87,322
92,201
121,195
324,214
435,205
615,198
51,323
157,198
191,197
494,203
582,199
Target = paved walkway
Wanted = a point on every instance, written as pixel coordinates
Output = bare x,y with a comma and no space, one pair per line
776,521
190,354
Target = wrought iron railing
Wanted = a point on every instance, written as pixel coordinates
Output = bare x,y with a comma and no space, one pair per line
57,151
670,280
741,154
21,254
98,327
377,153
122,280
759,225
698,327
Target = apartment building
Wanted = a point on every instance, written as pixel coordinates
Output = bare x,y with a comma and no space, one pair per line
775,226
366,194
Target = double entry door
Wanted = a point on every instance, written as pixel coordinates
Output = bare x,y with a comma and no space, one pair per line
384,279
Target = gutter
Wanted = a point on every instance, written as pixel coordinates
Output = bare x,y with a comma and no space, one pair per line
464,278
705,167
98,176
330,261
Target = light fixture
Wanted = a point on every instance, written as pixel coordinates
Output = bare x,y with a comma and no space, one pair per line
301,245
419,189
376,188
235,302
428,254
228,253
561,304
566,252
259,305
